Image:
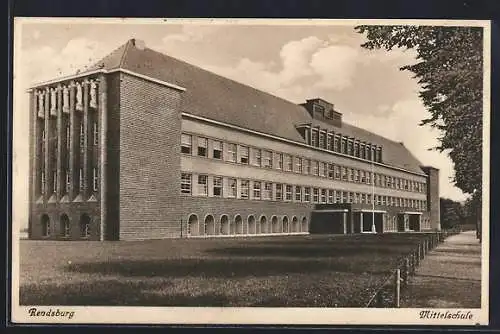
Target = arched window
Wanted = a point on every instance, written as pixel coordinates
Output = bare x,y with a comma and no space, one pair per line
224,225
192,225
45,226
85,226
295,224
238,224
286,228
252,228
64,226
263,224
304,226
274,225
209,226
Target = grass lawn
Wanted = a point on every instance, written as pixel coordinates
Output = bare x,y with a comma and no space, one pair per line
289,271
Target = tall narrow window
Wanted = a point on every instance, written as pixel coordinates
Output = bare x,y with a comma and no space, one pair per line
268,191
307,194
95,179
256,189
54,181
298,165
68,137
307,166
202,185
288,162
321,140
232,185
331,171
330,196
279,191
288,192
217,149
321,168
217,187
363,176
356,149
68,181
231,152
186,144
337,172
42,182
267,161
344,173
279,159
80,180
202,147
323,195
95,134
82,137
315,195
338,196
298,193
356,175
243,154
186,183
256,157
244,189
315,167
315,138
336,143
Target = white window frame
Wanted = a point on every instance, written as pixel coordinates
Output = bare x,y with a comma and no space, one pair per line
186,183
288,192
202,188
186,142
233,187
202,148
217,147
217,184
245,189
244,154
257,190
232,152
267,192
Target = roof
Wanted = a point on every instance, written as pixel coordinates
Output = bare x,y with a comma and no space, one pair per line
221,99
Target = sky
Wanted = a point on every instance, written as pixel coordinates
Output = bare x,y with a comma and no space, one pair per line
293,61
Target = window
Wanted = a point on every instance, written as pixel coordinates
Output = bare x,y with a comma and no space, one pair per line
315,195
356,149
95,179
315,138
362,198
363,176
330,196
202,147
288,192
95,134
232,184
383,201
362,151
82,136
338,196
46,226
307,166
368,177
217,149
42,181
298,165
279,192
356,175
298,193
315,167
267,159
68,181
68,137
331,171
350,199
186,144
244,154
322,140
344,145
344,173
323,195
279,158
329,142
268,191
256,189
350,174
231,152
202,185
337,172
288,163
257,157
336,143
244,189
186,183
356,198
54,181
322,168
217,187
307,194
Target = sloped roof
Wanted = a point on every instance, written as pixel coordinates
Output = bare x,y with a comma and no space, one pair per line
214,97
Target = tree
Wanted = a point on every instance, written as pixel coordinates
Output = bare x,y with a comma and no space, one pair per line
449,69
451,213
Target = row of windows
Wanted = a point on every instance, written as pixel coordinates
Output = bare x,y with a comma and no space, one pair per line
53,188
268,159
65,226
226,226
67,131
335,142
263,190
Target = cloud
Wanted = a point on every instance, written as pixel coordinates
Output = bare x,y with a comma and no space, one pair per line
335,65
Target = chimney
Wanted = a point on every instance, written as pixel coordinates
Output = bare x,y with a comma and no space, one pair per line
138,43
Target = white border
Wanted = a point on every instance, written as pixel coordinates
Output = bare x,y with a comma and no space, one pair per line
271,316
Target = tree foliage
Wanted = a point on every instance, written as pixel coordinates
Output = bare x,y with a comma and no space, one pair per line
449,69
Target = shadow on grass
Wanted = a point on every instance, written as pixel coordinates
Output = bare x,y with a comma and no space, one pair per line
461,252
221,268
101,293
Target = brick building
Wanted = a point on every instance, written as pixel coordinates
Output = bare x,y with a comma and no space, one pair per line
142,146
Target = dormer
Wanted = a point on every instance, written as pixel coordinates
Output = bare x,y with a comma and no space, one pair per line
324,111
